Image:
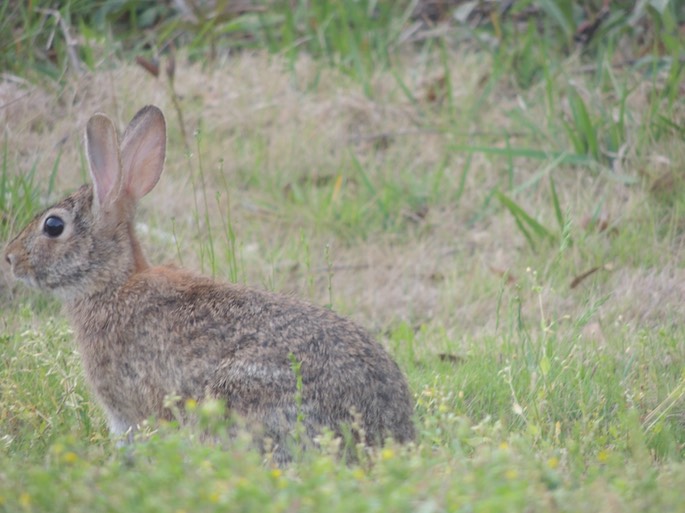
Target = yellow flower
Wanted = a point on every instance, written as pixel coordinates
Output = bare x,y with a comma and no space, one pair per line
25,500
70,457
387,453
553,462
603,456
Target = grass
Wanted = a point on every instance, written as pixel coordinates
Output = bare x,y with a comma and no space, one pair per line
505,215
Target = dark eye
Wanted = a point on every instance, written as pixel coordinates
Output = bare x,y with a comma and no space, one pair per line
53,226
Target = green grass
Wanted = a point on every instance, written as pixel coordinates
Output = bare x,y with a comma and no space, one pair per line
500,206
520,422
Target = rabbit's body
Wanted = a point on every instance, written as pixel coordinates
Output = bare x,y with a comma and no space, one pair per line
238,344
149,333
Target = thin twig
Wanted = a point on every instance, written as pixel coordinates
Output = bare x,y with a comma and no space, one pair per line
426,131
15,100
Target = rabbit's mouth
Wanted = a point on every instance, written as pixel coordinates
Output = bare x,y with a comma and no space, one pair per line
25,278
32,281
19,271
12,264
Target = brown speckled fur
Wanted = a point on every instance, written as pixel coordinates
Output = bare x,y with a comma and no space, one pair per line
146,333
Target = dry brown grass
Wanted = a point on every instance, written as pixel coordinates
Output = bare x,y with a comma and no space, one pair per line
444,268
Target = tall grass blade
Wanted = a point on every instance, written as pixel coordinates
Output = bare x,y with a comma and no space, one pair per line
53,174
583,125
554,10
555,203
373,191
653,418
462,179
524,220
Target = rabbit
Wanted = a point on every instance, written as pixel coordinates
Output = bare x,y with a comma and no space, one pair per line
148,333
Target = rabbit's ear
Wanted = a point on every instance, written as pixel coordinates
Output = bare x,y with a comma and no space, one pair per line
102,148
143,148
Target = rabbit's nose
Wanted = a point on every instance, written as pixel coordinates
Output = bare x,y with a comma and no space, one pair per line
9,258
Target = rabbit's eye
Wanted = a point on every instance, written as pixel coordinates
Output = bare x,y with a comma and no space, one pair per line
53,226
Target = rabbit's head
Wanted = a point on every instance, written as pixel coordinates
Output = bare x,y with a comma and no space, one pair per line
86,243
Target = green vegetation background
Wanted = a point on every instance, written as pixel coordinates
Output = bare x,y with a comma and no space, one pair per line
549,373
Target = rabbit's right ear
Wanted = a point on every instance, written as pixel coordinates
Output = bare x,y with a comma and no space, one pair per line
143,148
102,148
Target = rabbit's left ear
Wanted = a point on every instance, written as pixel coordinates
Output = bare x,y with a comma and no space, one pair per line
102,148
143,148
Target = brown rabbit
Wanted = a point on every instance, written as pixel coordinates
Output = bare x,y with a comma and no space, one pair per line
146,333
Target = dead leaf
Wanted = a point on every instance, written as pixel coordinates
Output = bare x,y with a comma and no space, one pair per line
436,277
511,280
599,223
436,91
451,358
171,65
578,279
666,183
152,67
609,266
416,215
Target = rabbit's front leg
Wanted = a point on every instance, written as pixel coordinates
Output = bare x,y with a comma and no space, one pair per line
121,430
